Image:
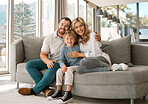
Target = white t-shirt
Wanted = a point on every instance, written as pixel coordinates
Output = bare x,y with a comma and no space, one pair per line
92,48
52,44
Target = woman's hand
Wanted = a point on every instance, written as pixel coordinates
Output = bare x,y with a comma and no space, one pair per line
97,37
50,63
64,68
73,54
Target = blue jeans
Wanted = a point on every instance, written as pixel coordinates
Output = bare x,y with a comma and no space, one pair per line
42,81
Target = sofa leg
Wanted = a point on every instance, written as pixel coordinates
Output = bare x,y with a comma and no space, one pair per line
17,85
131,101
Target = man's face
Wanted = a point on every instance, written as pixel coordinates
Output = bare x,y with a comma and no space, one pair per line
63,26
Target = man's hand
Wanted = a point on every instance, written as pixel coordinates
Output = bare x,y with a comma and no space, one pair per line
97,37
64,68
73,54
50,63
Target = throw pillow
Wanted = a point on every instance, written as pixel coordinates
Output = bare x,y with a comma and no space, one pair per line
32,47
119,50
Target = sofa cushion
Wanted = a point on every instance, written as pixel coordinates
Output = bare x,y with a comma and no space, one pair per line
135,74
21,68
119,50
32,47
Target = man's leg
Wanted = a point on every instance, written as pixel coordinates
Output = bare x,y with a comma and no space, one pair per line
47,79
34,67
42,82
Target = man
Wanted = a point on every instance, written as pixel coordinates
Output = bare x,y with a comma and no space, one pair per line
49,56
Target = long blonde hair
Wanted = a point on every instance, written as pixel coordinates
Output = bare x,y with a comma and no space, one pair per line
86,31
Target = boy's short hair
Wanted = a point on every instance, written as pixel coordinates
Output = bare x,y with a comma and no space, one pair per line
70,33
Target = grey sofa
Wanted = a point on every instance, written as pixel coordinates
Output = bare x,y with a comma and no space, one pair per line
131,84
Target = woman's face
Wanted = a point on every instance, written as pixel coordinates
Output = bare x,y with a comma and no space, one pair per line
79,28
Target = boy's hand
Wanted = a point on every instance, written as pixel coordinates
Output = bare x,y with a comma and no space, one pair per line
50,63
97,37
64,68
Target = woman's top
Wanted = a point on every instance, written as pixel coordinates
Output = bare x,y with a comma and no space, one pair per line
92,48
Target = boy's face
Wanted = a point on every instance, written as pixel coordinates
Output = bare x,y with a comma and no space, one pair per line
69,40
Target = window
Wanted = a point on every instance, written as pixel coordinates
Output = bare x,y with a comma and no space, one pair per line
109,27
71,4
3,34
89,16
82,5
128,15
143,17
24,18
47,17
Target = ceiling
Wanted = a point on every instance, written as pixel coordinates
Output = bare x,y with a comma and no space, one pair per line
101,3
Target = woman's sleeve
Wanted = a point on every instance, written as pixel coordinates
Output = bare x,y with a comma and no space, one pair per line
93,47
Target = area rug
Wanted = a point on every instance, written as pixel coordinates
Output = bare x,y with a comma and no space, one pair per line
12,97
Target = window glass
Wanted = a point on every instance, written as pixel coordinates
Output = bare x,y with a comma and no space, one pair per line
47,17
82,4
89,16
3,34
143,17
24,18
109,27
71,9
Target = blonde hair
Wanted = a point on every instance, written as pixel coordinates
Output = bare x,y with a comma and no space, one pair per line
70,33
86,31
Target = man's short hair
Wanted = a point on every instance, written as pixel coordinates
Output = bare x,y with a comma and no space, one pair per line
67,19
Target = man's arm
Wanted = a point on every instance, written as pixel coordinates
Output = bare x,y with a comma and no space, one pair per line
44,58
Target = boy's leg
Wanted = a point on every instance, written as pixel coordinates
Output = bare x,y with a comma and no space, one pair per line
69,76
59,78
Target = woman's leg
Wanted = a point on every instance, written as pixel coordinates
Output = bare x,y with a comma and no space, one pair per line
93,62
82,70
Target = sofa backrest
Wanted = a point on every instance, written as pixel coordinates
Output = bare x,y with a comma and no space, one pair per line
119,50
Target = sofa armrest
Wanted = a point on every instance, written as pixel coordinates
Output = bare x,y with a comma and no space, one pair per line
139,54
17,56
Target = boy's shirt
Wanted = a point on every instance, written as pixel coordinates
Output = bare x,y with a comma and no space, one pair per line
65,60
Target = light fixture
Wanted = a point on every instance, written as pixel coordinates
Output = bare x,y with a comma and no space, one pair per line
99,12
105,15
109,18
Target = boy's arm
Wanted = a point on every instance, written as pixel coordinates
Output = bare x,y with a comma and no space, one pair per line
62,60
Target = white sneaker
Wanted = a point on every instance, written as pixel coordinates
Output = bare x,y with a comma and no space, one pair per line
49,98
124,66
115,67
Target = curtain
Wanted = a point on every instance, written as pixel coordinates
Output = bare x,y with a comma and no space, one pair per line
60,11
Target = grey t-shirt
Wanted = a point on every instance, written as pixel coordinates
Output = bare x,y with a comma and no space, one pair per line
52,44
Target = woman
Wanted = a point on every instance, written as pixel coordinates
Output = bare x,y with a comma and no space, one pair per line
94,59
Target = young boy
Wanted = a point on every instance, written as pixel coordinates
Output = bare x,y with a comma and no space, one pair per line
68,66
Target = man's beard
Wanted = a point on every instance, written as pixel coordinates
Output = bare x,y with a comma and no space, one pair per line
62,33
